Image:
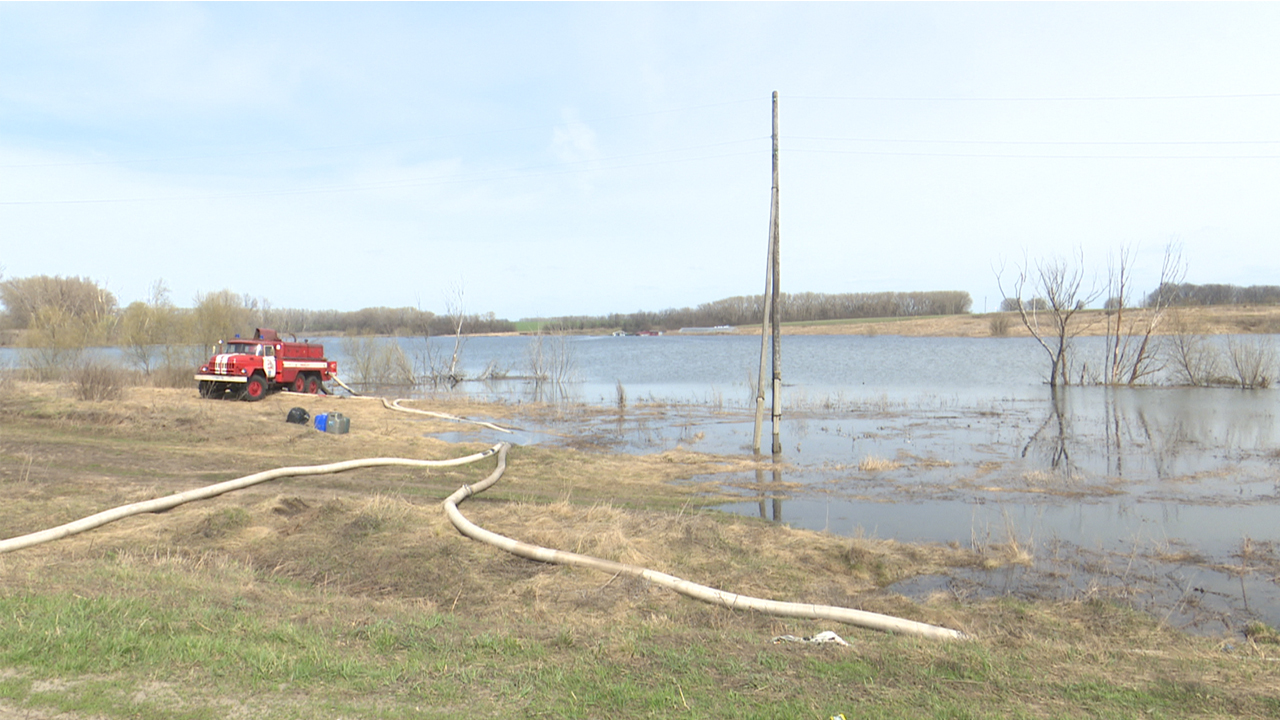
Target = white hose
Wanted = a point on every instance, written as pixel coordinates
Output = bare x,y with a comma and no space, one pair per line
204,493
729,600
395,405
733,601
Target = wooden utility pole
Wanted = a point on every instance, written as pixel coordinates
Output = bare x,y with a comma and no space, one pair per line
764,340
774,312
769,325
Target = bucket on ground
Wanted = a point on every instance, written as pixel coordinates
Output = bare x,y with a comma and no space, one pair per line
338,424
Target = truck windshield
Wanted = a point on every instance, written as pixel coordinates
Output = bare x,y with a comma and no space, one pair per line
236,348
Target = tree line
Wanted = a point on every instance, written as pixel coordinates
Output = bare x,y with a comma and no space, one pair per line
61,317
794,307
1186,294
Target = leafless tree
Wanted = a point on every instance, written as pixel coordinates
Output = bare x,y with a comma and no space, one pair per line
1253,360
1060,282
1193,358
148,327
62,317
1130,353
455,311
550,357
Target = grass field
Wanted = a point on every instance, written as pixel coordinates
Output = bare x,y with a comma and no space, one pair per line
351,595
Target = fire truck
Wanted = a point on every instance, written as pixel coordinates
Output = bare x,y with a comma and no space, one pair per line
250,369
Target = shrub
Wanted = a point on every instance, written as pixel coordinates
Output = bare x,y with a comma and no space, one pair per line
99,380
173,375
1253,360
377,362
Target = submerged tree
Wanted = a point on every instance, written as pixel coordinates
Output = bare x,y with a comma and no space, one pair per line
1057,285
1130,352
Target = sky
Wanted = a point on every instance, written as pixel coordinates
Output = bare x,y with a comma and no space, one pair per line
537,160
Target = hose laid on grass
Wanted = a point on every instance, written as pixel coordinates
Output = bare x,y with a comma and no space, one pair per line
171,501
733,601
395,405
729,600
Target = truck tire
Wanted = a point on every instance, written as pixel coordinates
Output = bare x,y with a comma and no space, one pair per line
299,383
256,388
313,384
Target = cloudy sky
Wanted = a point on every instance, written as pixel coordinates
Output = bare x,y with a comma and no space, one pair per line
581,158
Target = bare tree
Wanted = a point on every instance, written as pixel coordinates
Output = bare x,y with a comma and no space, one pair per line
1253,360
455,312
1194,359
73,297
62,316
550,356
146,327
1130,354
1059,283
219,315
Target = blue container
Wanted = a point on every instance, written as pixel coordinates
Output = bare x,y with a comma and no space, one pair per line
322,422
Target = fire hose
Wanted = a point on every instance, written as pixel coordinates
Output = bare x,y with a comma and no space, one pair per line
733,601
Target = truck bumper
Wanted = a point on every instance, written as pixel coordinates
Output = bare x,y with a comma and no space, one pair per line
223,378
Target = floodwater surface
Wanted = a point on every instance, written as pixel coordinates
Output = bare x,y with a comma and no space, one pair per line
1167,498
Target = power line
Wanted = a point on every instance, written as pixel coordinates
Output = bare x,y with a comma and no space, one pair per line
1024,98
1032,157
1035,142
384,143
390,184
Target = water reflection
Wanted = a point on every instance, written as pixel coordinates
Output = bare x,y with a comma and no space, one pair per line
1050,440
770,494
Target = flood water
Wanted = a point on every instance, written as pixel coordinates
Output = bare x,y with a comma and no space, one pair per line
1166,498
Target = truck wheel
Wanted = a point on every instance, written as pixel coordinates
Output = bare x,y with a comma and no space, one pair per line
300,383
313,384
256,388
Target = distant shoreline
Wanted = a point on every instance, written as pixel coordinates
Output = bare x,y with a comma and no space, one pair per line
1200,320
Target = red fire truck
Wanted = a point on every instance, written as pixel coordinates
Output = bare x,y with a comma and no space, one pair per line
252,368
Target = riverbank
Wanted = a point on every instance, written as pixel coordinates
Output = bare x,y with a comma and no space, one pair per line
1210,320
351,595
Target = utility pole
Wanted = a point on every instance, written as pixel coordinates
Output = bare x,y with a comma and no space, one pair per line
770,317
774,314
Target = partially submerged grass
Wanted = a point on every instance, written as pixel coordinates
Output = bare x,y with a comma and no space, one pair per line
352,596
873,464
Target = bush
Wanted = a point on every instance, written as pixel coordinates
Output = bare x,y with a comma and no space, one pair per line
1253,360
377,362
174,375
1000,324
99,380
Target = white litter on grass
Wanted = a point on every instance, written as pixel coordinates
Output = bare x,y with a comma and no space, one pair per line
826,636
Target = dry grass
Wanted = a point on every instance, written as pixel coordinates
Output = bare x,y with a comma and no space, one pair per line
367,562
873,464
100,380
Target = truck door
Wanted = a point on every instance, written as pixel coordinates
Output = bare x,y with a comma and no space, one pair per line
269,362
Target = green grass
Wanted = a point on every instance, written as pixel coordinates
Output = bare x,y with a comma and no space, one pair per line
368,605
180,651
